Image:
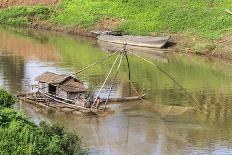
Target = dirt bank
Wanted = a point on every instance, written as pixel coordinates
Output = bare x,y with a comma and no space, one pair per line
8,3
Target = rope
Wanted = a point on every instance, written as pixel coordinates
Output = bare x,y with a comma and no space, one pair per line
83,69
122,56
106,79
99,61
191,97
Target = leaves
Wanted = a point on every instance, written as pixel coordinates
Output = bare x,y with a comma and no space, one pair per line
20,136
6,99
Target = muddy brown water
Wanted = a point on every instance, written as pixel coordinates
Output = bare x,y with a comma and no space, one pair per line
135,128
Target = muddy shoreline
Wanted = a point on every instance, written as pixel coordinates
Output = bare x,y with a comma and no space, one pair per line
178,43
174,41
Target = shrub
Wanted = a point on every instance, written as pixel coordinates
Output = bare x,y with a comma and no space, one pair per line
19,136
6,99
203,47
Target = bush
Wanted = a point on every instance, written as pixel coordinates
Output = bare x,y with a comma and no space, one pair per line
203,47
24,15
6,99
19,136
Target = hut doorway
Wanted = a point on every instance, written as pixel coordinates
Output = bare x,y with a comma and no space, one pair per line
51,89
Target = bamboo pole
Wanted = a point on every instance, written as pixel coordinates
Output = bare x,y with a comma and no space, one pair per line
122,56
105,79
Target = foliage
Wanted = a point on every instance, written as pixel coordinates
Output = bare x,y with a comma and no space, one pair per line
24,15
19,136
203,47
6,99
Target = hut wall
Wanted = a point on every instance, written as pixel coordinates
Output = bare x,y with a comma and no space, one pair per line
43,87
62,93
72,96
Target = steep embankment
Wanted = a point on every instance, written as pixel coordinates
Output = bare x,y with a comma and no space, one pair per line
197,26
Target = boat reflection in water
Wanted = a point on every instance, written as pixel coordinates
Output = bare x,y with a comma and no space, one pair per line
151,53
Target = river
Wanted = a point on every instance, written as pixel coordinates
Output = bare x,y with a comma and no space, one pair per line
165,125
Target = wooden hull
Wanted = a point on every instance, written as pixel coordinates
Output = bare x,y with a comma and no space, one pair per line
61,107
125,99
142,41
43,100
146,52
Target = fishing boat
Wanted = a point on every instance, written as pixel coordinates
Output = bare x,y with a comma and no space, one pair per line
117,37
141,41
65,92
68,94
150,53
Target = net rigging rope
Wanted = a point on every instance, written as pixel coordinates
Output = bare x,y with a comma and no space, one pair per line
159,68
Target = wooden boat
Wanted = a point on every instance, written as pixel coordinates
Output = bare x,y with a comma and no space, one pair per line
142,41
146,52
44,100
125,99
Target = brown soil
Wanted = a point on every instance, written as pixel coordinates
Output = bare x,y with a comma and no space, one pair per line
185,44
223,48
104,24
7,3
74,30
107,24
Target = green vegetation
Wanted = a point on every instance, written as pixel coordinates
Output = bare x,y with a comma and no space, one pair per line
203,47
19,136
204,18
6,99
24,15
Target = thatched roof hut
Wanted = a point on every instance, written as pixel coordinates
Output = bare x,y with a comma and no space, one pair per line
61,85
49,77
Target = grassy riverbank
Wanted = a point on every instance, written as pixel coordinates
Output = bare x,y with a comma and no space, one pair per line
199,22
20,136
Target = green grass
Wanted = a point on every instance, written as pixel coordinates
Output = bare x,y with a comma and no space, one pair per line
203,47
204,18
24,15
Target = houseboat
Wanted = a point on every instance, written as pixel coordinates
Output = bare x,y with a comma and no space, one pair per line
65,92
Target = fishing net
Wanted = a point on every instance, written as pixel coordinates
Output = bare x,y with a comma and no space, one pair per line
165,110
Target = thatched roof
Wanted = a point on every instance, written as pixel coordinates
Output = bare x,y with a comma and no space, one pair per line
73,86
49,77
65,82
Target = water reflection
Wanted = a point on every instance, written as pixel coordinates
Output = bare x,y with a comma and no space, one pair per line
12,72
136,128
